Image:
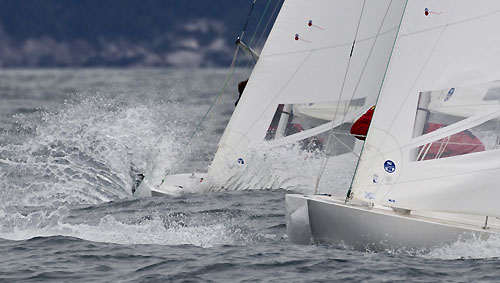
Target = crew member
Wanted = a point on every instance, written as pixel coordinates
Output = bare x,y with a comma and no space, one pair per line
458,144
241,88
360,127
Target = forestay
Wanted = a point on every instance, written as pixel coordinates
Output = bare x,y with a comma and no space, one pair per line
432,144
329,52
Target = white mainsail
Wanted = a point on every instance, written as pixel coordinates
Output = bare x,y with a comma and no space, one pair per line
309,58
441,45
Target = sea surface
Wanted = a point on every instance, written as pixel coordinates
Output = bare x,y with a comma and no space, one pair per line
71,144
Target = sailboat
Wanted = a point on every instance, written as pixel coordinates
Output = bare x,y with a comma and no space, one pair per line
443,71
432,70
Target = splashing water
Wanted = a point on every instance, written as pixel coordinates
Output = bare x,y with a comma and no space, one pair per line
288,167
471,249
83,153
67,169
87,149
152,230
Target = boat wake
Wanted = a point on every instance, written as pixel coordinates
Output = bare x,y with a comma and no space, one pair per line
470,249
148,230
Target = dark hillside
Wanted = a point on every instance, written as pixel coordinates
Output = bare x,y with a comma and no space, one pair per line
70,33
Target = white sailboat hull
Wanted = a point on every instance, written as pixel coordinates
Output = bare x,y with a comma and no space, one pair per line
322,219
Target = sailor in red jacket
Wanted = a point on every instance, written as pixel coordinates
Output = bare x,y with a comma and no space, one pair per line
360,127
460,143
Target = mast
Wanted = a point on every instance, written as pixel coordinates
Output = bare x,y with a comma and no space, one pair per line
421,119
285,116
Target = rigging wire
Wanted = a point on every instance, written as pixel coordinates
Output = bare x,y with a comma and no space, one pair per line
224,85
234,63
268,21
348,195
226,80
260,22
248,19
325,160
229,75
263,32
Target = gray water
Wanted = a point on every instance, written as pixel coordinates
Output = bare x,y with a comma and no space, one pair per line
70,141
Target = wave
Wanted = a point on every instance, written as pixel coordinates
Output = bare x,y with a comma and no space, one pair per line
89,149
152,230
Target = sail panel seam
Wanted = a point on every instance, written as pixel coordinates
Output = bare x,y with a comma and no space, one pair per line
368,57
276,95
325,159
451,24
330,46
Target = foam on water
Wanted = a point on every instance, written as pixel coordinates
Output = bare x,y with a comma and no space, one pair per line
470,249
86,150
154,230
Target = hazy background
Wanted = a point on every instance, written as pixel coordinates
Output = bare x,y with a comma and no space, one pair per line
127,33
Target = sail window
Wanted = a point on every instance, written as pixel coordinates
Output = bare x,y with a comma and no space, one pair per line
287,123
311,125
457,121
